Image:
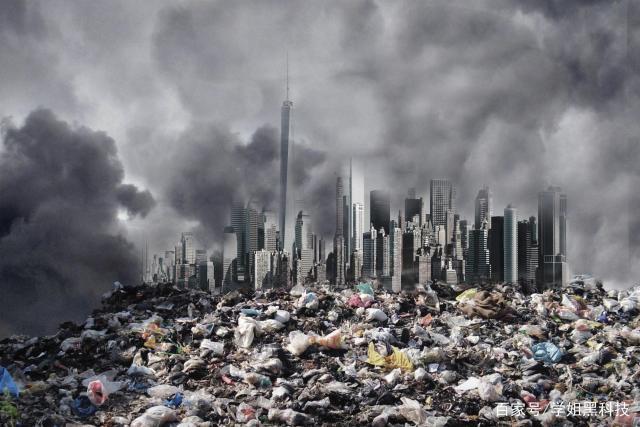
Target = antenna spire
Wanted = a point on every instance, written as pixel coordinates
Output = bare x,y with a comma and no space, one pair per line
287,75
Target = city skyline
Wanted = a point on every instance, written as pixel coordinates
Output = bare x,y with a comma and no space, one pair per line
414,249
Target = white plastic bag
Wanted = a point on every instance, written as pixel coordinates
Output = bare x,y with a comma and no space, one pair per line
298,342
376,314
247,329
216,348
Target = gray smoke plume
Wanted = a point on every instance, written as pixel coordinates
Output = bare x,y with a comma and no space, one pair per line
61,190
215,168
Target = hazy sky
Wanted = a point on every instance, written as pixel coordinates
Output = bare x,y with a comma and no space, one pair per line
134,120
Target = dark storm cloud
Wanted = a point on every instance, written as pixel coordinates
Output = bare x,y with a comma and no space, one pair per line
518,97
61,189
513,94
215,168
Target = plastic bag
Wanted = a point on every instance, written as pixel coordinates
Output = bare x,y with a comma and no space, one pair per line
282,316
7,384
420,374
251,312
332,340
308,300
288,417
247,329
396,359
245,413
216,348
298,342
83,407
546,352
271,325
376,314
297,291
392,377
412,411
467,295
138,370
155,416
174,401
365,288
97,393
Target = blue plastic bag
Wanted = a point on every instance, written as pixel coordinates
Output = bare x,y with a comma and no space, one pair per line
83,407
365,288
251,312
7,383
603,317
174,401
546,352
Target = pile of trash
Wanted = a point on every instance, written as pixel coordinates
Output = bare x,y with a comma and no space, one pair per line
436,356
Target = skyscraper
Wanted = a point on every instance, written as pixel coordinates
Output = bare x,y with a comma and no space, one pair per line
261,268
338,252
524,251
441,200
369,248
383,263
496,248
358,225
479,267
339,207
270,231
510,244
534,230
338,240
250,236
464,237
229,257
380,207
412,207
450,227
238,218
552,237
395,257
411,244
188,248
484,208
285,116
304,246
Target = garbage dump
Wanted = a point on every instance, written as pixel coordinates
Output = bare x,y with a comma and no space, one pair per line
161,356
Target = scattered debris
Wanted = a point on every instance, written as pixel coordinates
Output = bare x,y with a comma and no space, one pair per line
155,356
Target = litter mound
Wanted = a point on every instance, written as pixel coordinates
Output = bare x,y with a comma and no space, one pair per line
162,356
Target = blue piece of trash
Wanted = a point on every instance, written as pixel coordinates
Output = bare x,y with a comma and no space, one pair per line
83,407
603,317
174,401
365,288
7,383
310,297
138,386
546,352
251,312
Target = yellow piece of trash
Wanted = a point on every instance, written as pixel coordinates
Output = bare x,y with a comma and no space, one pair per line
467,295
151,343
395,360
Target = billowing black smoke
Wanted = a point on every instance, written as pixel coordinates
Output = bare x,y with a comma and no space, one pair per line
60,249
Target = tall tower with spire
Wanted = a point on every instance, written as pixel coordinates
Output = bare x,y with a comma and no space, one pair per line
285,118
